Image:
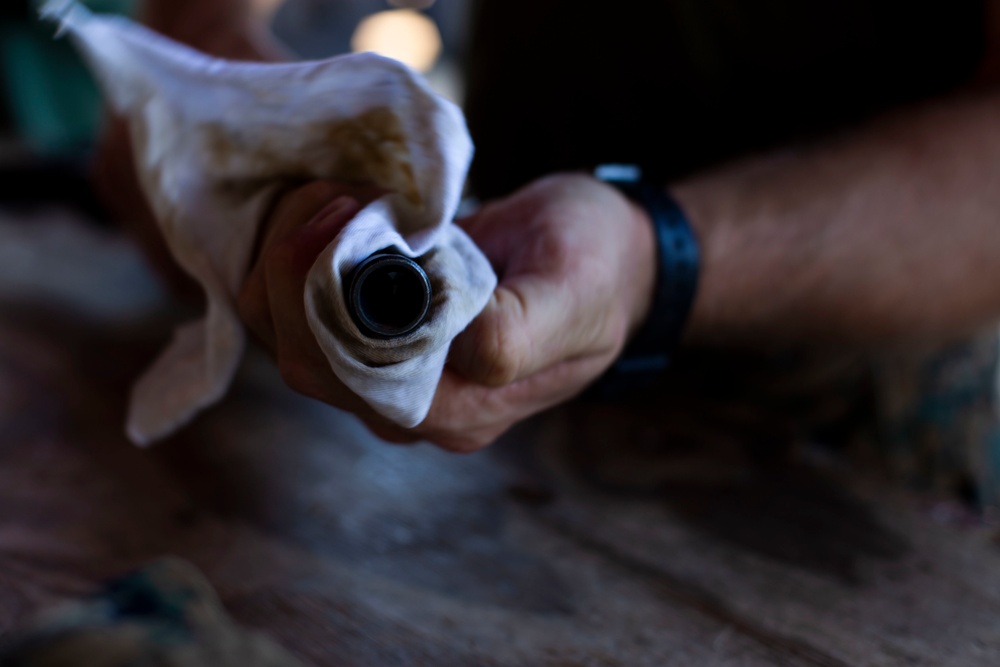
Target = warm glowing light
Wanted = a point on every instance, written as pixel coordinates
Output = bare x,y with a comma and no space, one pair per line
403,34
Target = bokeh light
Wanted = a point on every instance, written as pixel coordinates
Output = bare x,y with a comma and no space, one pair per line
403,34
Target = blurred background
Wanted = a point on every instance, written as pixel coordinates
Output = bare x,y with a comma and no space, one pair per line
50,108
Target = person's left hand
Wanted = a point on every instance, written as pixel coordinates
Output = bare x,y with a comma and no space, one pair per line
576,266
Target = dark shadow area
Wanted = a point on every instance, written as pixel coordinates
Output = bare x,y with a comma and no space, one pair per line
722,456
796,516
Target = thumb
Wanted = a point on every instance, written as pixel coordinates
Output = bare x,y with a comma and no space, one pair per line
531,322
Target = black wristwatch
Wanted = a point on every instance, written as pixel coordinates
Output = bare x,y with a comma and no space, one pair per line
649,353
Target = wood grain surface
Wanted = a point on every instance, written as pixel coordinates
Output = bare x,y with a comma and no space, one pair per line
583,538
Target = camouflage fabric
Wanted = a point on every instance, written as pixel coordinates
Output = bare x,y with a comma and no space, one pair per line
938,419
166,615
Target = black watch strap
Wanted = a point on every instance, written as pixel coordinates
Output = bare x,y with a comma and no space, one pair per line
649,353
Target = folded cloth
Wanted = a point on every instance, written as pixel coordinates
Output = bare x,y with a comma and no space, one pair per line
214,142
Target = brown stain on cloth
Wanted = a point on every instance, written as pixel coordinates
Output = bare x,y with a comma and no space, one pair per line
370,148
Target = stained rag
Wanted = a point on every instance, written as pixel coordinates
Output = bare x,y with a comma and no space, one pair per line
216,140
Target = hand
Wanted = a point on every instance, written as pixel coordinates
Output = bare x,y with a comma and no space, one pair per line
576,264
302,222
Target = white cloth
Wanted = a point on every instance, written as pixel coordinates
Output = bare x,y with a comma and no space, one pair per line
215,140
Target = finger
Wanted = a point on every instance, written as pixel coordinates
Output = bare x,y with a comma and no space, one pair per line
300,360
288,262
532,322
300,207
466,416
391,434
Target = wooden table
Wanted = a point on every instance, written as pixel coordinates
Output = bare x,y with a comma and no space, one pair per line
566,544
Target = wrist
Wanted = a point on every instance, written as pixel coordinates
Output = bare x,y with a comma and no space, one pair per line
660,315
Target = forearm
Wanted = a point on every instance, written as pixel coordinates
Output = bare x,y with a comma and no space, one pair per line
889,233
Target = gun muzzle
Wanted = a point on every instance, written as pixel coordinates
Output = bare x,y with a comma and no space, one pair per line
388,295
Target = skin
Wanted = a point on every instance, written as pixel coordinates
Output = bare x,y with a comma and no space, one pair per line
885,235
881,235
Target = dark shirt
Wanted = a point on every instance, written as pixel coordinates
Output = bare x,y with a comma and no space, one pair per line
678,85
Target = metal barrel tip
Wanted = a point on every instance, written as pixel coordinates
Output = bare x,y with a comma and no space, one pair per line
388,295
